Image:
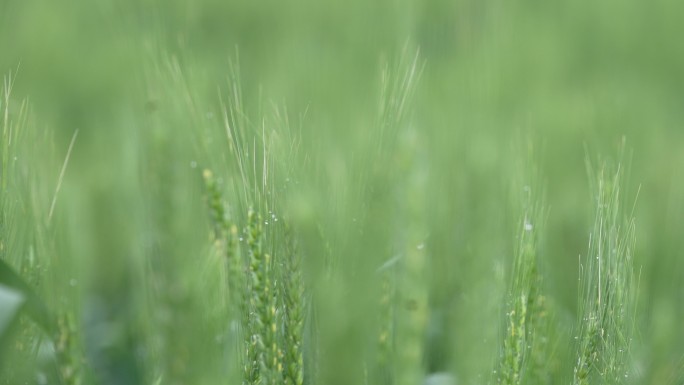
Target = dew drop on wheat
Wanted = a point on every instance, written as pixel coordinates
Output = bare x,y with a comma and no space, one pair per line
193,164
528,226
73,282
420,246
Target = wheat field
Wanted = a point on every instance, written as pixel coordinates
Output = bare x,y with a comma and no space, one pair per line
318,193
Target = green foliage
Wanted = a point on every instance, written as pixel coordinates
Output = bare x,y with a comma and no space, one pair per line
309,212
293,308
524,356
608,285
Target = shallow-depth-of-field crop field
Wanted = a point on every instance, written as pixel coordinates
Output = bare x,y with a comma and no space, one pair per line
405,192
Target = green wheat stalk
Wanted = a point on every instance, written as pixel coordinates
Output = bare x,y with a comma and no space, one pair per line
525,338
262,365
385,340
226,237
608,289
293,312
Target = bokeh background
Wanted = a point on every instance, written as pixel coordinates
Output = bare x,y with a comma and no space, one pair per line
574,76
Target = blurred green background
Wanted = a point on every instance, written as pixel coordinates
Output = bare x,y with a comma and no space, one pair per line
575,76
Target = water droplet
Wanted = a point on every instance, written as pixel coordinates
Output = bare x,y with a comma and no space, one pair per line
526,188
528,226
241,239
420,246
193,164
266,223
73,282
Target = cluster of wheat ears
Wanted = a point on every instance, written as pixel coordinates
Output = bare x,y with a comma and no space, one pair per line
275,328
